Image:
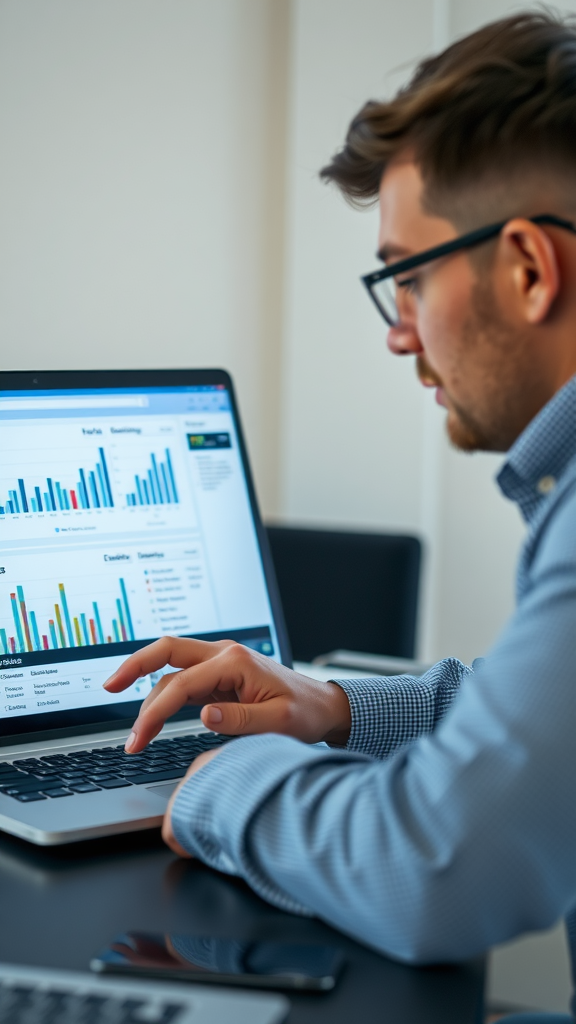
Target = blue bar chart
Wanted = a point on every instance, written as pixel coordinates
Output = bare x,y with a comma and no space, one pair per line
92,489
156,485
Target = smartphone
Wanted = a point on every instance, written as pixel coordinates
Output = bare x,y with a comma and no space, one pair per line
222,961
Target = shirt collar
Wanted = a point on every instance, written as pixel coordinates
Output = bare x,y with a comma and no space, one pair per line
537,460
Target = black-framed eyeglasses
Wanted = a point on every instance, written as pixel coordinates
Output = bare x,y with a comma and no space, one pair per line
382,284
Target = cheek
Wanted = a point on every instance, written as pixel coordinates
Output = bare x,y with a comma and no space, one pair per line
442,317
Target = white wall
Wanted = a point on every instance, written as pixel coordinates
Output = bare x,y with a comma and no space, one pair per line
363,444
160,206
142,153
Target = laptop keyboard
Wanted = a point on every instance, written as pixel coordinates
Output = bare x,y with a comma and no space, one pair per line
29,1004
86,771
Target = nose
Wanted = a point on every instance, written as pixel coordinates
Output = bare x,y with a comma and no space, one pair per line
403,340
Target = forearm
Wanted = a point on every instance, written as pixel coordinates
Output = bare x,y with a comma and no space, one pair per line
430,855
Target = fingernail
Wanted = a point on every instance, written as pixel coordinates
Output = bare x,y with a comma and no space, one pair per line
130,742
214,715
110,679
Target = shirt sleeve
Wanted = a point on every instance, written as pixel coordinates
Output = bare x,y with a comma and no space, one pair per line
463,838
388,712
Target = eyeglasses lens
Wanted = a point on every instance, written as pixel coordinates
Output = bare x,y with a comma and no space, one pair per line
384,294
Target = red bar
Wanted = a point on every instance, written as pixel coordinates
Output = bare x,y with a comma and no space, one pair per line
93,631
45,642
73,499
108,639
12,644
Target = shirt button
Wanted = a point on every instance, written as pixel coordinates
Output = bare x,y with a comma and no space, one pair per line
546,484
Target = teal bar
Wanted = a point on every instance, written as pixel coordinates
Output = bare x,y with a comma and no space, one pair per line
171,474
127,609
85,629
19,634
71,637
53,636
98,623
35,634
4,641
117,636
123,632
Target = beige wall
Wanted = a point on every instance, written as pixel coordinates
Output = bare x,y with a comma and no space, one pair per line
160,206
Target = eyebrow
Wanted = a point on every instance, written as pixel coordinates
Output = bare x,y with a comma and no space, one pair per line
390,249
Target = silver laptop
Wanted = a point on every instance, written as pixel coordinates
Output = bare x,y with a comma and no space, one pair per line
127,512
33,995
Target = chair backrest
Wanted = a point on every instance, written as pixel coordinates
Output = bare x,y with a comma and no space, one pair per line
339,589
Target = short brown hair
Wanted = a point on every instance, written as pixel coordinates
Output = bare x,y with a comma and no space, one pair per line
498,102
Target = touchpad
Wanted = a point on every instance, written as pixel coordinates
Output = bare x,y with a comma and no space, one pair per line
166,790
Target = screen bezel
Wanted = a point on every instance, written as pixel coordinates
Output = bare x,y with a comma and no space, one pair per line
53,724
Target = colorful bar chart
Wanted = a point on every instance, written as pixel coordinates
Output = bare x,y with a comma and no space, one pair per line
157,486
92,490
67,628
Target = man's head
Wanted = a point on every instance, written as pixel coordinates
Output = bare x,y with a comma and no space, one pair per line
485,132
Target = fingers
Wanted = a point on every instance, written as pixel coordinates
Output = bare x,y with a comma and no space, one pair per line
191,686
169,650
167,830
272,715
170,839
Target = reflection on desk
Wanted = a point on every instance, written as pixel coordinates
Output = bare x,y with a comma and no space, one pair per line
60,906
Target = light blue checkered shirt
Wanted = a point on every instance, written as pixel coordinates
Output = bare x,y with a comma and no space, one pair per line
448,823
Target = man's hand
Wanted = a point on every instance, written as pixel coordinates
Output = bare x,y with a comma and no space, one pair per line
167,832
243,692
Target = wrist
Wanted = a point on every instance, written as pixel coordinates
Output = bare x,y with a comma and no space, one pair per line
339,717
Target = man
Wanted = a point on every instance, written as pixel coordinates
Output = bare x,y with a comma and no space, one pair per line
442,818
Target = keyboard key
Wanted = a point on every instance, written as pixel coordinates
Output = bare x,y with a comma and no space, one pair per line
9,777
29,786
113,783
147,777
88,771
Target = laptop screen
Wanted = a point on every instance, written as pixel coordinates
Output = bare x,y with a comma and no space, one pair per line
126,513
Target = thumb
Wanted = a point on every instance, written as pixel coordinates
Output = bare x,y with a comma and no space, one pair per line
233,719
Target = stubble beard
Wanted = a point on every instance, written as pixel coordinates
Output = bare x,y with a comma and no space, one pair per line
464,432
498,378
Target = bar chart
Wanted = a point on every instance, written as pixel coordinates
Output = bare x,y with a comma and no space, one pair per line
68,626
156,485
92,489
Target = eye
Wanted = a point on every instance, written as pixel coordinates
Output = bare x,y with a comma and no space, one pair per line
409,284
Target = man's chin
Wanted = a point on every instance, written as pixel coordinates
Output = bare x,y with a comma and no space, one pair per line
464,436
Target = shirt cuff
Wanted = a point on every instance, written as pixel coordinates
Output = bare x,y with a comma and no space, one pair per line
389,711
214,808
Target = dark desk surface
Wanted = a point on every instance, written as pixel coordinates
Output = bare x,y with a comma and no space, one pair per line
60,906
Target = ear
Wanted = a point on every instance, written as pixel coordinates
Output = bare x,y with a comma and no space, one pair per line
534,270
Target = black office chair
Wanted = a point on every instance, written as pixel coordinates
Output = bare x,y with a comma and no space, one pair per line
357,591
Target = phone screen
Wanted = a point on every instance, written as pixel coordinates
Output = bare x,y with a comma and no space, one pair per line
226,961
